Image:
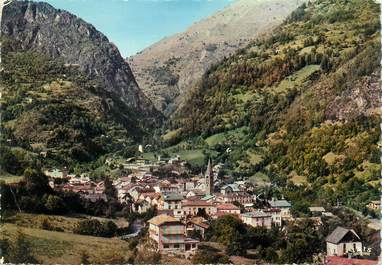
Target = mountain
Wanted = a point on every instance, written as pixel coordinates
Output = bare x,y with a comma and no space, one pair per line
300,106
66,91
42,28
167,70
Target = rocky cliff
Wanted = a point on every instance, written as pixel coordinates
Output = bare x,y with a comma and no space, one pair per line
40,27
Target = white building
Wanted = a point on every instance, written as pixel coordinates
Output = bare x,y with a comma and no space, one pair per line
343,241
257,219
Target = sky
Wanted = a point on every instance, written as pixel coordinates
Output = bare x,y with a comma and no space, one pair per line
133,25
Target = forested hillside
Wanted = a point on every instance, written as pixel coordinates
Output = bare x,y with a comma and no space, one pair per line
68,96
307,98
169,68
51,109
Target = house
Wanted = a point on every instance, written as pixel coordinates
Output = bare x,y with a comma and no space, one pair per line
283,205
173,202
228,208
197,207
332,260
275,214
257,219
197,224
343,241
230,188
169,234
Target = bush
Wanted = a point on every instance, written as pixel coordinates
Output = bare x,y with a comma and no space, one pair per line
55,205
204,256
94,227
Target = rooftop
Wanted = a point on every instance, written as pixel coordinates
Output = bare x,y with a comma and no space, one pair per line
317,209
196,203
256,214
346,261
161,219
227,206
172,197
338,234
279,203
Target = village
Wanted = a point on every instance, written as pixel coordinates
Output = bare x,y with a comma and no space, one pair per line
186,204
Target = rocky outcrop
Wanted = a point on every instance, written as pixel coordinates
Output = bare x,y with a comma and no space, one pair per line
42,28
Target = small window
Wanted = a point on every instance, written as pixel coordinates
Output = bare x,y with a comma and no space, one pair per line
176,245
165,246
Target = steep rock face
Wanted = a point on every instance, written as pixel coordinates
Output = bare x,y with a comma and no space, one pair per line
167,70
42,28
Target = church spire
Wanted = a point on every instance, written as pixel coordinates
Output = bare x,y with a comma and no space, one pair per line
209,178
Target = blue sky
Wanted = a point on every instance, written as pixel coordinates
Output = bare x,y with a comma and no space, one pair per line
136,24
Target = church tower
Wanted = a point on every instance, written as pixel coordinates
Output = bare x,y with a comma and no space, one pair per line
209,179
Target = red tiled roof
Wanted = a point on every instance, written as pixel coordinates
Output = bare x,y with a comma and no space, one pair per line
227,206
196,203
333,260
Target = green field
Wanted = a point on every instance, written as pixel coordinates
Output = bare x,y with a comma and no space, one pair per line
67,223
221,137
66,248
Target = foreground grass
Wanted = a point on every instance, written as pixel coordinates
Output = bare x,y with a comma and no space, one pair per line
66,248
66,223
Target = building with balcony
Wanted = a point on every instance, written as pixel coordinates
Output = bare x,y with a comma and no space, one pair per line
169,233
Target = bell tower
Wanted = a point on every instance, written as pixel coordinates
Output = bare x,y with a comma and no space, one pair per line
209,179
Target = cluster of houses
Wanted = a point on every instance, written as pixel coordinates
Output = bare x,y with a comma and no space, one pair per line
186,205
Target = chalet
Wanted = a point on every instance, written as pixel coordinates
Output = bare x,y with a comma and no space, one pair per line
283,205
343,241
169,234
257,219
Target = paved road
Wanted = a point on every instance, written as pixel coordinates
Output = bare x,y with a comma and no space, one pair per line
136,227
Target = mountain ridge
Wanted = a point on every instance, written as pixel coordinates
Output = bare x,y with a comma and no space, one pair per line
168,69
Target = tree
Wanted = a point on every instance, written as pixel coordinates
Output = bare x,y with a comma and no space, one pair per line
36,181
110,191
296,252
8,161
55,205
